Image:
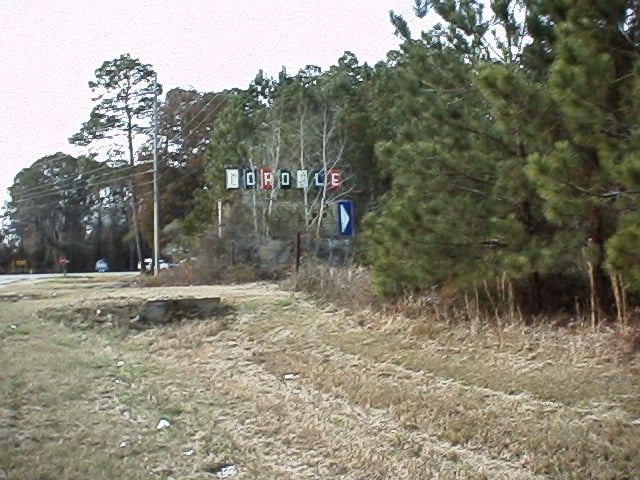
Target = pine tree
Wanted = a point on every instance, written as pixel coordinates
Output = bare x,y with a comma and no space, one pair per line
460,211
124,89
437,220
584,177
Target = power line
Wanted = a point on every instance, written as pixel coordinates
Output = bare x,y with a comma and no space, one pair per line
105,183
40,191
55,157
107,173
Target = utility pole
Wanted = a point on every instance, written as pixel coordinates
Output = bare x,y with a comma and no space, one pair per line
156,187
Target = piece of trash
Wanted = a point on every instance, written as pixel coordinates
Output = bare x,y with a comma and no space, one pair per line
189,452
14,326
290,376
120,363
98,312
119,381
124,443
137,323
222,470
162,424
227,471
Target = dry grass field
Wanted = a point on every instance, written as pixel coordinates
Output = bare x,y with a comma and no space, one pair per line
281,388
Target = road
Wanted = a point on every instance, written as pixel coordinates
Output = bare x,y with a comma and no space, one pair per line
13,278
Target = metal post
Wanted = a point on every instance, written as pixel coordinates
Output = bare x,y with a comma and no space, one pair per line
219,218
156,188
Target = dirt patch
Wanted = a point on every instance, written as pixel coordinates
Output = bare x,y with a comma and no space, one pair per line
136,313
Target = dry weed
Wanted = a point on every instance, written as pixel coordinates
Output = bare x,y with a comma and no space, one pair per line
346,287
294,389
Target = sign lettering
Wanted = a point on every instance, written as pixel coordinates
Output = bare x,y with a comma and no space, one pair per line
233,178
250,180
302,177
285,179
266,178
318,179
335,179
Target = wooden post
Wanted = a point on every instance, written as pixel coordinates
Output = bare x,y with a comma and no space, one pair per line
298,252
233,252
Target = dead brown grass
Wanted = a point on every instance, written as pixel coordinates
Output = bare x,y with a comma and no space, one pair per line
347,287
291,389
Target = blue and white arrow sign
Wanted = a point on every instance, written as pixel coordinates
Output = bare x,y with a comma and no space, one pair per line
345,217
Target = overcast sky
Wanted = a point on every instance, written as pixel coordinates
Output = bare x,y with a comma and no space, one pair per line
50,49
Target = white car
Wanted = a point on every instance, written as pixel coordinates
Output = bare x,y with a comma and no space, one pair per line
148,264
102,266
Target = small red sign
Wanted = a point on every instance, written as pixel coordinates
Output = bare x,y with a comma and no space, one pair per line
335,179
267,178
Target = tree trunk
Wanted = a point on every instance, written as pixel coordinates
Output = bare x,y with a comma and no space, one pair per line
595,256
305,191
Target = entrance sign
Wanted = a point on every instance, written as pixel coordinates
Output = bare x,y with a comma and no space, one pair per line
250,180
233,178
302,177
318,179
284,179
335,179
266,178
345,217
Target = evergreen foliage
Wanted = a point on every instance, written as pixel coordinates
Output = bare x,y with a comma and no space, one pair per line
528,169
67,207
